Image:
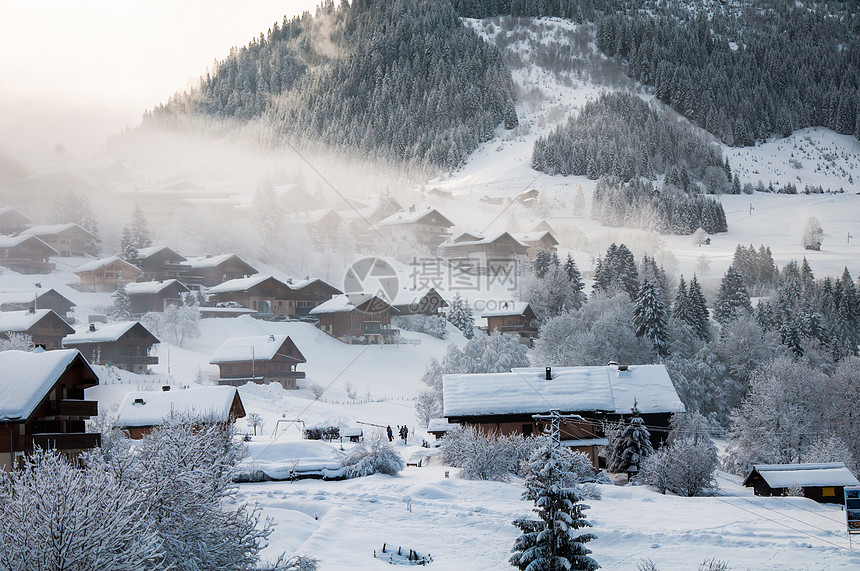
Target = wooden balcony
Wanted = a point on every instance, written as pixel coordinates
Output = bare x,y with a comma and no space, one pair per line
71,408
60,441
135,360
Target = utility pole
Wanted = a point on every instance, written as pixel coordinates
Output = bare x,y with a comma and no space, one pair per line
253,366
556,419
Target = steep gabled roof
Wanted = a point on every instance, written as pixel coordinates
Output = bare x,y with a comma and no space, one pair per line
14,241
24,298
144,253
506,308
244,284
26,378
417,216
531,237
344,303
54,229
94,265
151,408
105,333
258,347
148,288
213,261
23,320
804,475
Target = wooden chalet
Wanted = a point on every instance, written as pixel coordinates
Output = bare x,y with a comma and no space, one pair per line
514,317
43,404
824,482
154,296
260,359
44,326
210,271
357,319
504,403
425,227
544,226
26,254
419,302
159,263
12,221
308,294
126,346
140,412
37,299
475,253
261,292
321,225
70,240
537,241
104,275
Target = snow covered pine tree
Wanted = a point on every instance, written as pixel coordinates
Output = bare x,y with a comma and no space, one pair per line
632,446
551,543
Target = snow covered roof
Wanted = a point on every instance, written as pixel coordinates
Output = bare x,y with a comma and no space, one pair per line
239,348
571,389
25,297
227,310
413,217
27,377
351,432
534,237
439,425
507,308
53,229
314,216
209,261
102,262
488,239
150,408
12,241
144,253
23,320
804,475
143,288
103,333
346,303
243,284
413,296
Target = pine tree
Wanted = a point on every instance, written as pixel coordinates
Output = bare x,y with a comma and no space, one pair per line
649,318
575,277
682,308
128,251
542,263
732,298
699,306
632,446
460,316
551,542
139,229
121,302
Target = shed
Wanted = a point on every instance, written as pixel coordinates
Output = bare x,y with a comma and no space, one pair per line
354,434
822,482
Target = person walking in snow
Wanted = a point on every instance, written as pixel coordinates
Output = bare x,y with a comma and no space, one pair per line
404,433
390,433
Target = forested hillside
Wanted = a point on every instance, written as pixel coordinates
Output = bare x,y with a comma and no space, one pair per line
402,80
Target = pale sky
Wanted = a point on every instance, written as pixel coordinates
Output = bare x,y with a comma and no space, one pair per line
77,71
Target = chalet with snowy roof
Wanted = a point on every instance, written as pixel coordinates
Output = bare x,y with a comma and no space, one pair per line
504,403
70,240
308,293
12,221
513,317
823,482
154,296
43,404
142,411
425,227
261,293
439,427
104,275
126,345
426,301
544,226
259,359
26,254
537,241
160,263
296,199
493,254
357,318
44,326
210,271
528,198
37,299
322,225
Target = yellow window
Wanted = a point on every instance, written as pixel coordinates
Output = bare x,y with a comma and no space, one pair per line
828,491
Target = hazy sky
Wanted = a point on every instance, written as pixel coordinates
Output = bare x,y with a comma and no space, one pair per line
76,71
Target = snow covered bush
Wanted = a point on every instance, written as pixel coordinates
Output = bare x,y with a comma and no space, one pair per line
482,456
176,323
56,516
16,341
375,455
812,234
685,467
434,325
552,541
460,316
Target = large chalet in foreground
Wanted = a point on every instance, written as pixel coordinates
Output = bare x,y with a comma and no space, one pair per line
259,359
43,403
504,403
124,345
142,411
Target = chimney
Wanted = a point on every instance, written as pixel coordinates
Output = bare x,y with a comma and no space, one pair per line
139,402
622,367
271,337
31,309
92,327
165,388
549,373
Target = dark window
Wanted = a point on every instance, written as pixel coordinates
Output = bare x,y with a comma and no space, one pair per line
527,430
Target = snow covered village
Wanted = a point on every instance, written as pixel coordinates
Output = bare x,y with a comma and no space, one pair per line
464,285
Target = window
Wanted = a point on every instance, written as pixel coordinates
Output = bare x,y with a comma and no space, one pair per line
527,430
828,492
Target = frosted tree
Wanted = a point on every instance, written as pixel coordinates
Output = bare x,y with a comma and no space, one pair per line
812,233
74,207
128,249
699,310
732,298
682,308
255,421
579,202
139,228
121,303
575,277
267,214
617,271
553,541
460,316
374,455
54,515
16,341
542,263
550,295
632,446
649,318
685,467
